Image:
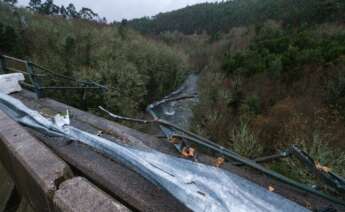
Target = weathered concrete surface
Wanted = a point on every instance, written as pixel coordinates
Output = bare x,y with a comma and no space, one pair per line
35,169
6,188
78,194
114,178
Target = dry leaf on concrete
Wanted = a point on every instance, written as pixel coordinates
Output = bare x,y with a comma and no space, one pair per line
218,162
322,168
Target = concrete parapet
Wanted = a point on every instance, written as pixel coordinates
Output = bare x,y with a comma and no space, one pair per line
78,194
34,168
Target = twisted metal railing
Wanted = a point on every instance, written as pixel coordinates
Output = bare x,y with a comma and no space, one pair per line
36,75
173,131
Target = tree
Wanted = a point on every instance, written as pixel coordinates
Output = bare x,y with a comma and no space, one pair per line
104,20
63,11
8,39
123,28
88,14
11,2
49,8
71,11
35,5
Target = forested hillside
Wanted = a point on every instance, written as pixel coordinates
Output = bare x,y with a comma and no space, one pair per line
136,70
222,16
272,74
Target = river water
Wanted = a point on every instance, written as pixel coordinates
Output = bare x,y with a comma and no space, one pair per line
180,112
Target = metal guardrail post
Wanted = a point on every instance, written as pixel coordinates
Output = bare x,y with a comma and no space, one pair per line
2,65
83,99
34,80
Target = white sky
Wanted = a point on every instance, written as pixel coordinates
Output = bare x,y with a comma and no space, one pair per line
128,9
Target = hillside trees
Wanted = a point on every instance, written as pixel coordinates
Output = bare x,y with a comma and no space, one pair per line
8,39
222,16
135,69
49,8
71,11
87,14
11,2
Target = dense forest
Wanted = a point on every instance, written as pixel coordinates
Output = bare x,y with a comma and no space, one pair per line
272,74
136,70
224,15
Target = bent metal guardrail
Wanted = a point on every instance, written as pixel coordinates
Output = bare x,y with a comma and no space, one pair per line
35,73
198,186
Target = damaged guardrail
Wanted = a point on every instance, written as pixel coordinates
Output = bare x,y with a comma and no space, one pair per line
174,132
200,187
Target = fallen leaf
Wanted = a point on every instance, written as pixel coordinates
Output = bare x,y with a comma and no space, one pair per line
188,152
271,188
308,204
174,140
99,133
322,168
218,162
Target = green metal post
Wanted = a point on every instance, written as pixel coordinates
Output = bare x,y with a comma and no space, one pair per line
34,80
2,65
83,99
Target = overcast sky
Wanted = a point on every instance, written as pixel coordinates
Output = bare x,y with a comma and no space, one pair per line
128,9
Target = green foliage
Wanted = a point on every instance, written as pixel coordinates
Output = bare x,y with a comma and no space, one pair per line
49,8
336,92
136,70
11,2
224,15
245,143
252,105
278,52
9,40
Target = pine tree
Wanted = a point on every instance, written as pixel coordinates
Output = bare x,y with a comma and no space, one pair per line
63,12
88,14
35,5
72,12
49,8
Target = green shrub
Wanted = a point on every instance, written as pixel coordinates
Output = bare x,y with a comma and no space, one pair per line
136,69
9,40
277,51
336,92
252,104
275,66
245,143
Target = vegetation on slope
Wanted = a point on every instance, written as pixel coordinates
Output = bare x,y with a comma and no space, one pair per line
224,15
136,70
272,75
286,85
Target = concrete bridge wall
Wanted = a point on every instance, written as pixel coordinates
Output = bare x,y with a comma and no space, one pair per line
45,180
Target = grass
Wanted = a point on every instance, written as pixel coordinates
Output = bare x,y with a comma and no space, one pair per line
245,143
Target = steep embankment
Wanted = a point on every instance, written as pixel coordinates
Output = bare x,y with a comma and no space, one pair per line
137,70
282,87
272,75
